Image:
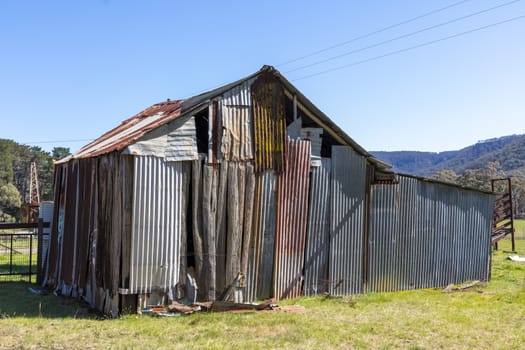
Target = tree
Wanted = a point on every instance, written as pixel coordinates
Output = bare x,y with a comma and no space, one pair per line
60,152
446,176
481,178
10,199
6,161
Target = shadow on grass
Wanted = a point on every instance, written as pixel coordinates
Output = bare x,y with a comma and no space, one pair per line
16,300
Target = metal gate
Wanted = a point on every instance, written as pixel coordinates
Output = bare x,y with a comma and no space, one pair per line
22,251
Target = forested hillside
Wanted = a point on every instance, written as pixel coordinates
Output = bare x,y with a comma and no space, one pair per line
509,151
15,160
473,166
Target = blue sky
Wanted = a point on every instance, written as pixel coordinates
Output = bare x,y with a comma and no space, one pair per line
71,70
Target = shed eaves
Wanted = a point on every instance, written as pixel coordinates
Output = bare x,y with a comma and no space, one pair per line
159,114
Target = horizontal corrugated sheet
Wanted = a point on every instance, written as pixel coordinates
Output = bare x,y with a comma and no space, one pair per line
425,234
292,218
182,140
157,260
317,241
269,123
347,225
237,123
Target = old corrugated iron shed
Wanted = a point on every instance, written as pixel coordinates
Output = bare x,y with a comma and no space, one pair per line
247,192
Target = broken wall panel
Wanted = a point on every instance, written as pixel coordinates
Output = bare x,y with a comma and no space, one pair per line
235,108
269,123
347,225
292,212
318,235
239,209
159,225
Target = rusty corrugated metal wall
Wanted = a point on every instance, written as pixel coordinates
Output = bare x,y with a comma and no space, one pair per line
292,204
160,195
347,225
425,234
269,123
253,219
318,236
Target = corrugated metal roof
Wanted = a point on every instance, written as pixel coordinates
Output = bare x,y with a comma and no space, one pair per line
130,130
161,113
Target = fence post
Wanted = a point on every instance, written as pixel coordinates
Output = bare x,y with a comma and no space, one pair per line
40,239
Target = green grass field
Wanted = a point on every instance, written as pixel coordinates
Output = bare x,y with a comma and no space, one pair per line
519,227
487,316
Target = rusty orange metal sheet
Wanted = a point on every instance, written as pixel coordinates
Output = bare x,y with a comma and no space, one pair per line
269,123
292,218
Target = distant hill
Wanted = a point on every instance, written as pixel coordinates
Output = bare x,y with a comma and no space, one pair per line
509,151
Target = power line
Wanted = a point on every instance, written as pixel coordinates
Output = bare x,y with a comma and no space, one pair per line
57,141
412,47
403,36
373,32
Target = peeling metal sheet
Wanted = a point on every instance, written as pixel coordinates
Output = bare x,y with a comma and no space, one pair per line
237,128
318,236
153,143
159,224
347,225
292,218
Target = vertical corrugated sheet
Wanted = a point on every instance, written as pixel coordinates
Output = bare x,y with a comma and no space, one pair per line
317,241
159,224
69,234
182,140
292,218
425,234
347,225
108,232
259,279
237,129
84,220
269,123
384,242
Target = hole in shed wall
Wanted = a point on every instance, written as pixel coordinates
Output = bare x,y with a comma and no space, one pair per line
327,140
202,128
